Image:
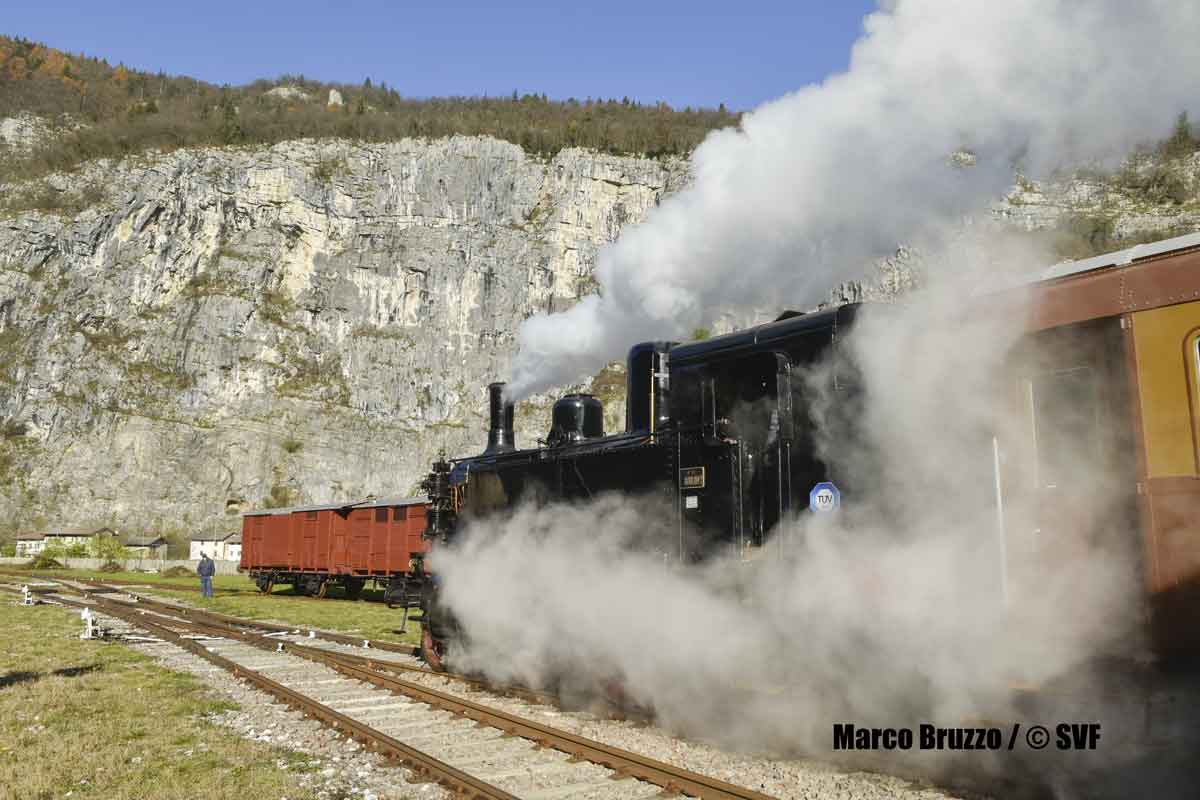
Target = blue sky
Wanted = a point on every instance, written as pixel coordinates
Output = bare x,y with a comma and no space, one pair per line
687,53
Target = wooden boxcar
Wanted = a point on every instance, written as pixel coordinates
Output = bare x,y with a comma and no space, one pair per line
347,544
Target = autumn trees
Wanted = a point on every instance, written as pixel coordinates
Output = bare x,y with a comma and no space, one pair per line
123,111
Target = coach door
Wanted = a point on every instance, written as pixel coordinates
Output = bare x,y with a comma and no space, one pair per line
1065,430
1071,503
1167,358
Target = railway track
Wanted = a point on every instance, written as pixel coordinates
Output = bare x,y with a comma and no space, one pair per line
469,747
316,636
224,624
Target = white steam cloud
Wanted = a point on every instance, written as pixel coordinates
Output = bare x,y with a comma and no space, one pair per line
817,183
918,601
913,604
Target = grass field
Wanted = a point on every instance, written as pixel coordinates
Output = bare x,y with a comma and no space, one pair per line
223,583
93,720
237,595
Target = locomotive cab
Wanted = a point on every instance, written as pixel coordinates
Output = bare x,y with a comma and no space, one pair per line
743,417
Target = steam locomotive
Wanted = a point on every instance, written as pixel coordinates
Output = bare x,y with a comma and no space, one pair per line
720,433
716,432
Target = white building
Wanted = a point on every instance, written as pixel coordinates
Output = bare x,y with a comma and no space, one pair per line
30,544
215,546
61,539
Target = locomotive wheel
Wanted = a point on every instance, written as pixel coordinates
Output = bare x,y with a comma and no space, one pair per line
431,650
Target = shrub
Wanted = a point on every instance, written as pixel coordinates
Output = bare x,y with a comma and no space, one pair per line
1182,142
1158,184
1083,235
111,566
107,547
280,497
44,561
177,572
329,168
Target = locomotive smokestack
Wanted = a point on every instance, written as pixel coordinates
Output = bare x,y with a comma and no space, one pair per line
500,421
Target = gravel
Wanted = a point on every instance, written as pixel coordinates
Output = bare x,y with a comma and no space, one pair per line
341,766
337,767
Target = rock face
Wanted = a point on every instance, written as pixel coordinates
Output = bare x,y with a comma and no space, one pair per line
308,322
1148,197
21,133
288,93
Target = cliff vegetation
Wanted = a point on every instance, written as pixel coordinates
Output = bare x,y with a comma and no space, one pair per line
104,111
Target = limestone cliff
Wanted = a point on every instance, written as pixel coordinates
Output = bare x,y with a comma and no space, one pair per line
313,321
190,334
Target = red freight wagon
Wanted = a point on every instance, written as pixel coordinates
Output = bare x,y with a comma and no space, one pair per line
344,544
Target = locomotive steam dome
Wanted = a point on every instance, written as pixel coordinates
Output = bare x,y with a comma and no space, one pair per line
576,417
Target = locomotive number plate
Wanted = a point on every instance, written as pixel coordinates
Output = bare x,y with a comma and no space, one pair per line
691,478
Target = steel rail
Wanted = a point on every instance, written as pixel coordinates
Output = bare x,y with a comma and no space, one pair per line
708,788
224,623
623,762
340,638
426,766
227,625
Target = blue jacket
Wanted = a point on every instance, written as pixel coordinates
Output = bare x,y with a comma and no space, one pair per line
207,568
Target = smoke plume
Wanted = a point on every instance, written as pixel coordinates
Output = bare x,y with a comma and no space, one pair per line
905,606
815,184
917,601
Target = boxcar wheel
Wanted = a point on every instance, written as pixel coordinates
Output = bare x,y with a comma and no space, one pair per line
354,587
265,584
322,589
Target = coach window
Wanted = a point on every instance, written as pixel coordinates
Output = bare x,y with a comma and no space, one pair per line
310,515
381,515
1066,418
399,514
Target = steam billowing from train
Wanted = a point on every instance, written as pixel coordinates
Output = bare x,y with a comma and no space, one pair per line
898,609
819,182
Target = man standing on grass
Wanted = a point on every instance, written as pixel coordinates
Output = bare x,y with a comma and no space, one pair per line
206,570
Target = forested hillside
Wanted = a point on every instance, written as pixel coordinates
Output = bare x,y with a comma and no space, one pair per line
115,111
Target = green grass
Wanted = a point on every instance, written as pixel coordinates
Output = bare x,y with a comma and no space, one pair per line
96,720
237,595
371,620
225,583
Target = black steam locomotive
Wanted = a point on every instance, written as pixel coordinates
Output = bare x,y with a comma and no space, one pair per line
718,431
